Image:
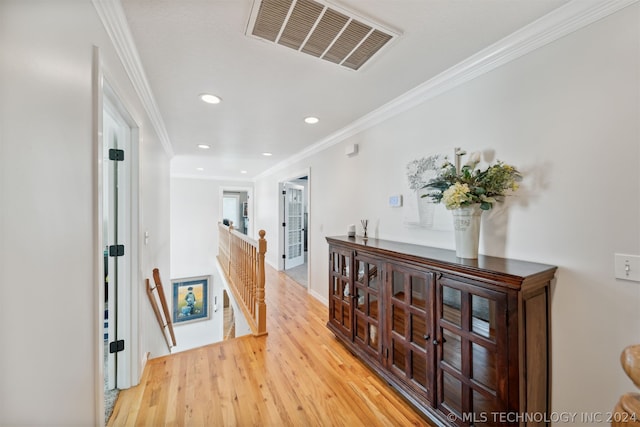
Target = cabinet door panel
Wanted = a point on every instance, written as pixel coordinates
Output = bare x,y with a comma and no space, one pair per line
451,394
398,319
419,369
484,366
486,405
472,353
451,303
361,299
483,320
451,350
340,292
419,331
374,341
367,298
418,292
373,306
409,320
360,328
398,355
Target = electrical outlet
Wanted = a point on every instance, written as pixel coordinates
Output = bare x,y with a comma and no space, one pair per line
627,267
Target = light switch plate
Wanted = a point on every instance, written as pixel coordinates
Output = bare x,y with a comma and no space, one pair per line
627,267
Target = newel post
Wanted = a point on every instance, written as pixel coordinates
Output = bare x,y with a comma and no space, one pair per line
261,314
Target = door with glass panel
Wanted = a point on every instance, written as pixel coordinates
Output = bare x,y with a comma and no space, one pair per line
293,225
409,321
340,292
472,363
367,291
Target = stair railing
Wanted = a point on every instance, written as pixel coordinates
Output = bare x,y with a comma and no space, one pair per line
163,317
242,260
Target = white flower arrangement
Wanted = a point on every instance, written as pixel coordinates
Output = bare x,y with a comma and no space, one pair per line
458,187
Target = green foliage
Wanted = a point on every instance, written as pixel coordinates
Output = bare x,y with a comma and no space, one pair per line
470,185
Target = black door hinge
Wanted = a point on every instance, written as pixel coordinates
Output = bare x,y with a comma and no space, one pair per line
284,224
116,250
284,192
115,154
116,346
284,256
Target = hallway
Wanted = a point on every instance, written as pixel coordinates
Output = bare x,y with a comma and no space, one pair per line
297,375
300,273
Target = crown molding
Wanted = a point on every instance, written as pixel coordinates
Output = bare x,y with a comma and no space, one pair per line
115,23
558,23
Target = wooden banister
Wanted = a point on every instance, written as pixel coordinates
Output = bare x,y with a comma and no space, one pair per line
242,260
627,411
164,317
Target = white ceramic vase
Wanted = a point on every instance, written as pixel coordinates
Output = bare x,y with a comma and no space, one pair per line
466,223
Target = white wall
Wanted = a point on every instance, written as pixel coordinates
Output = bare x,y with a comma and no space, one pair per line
49,322
195,214
568,116
154,219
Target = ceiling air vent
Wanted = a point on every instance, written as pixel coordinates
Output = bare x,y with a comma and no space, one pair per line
319,30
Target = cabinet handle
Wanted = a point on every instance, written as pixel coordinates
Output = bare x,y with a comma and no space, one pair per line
442,341
426,337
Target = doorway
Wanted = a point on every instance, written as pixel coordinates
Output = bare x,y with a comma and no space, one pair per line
235,208
119,218
294,213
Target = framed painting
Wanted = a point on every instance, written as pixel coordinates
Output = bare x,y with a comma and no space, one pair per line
190,299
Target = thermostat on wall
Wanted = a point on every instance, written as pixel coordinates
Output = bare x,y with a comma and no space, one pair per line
395,201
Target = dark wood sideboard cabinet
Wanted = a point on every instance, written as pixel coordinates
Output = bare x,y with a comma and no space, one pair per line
466,342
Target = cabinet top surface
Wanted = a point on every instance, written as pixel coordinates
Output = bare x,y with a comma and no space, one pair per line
516,270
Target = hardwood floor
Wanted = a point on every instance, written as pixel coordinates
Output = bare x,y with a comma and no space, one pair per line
297,375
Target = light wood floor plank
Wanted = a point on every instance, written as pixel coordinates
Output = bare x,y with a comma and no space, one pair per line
297,375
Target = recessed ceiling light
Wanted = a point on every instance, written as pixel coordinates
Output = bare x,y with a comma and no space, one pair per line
311,120
204,146
243,171
199,169
210,99
267,154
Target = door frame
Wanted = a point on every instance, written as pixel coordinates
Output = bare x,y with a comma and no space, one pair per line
128,314
281,240
101,92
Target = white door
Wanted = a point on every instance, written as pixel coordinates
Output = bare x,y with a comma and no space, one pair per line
293,225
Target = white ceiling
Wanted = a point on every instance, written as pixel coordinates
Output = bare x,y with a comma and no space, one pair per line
190,47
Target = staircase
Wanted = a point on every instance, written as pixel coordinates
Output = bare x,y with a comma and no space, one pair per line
229,319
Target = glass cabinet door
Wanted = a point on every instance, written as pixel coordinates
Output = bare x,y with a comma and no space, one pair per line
366,304
340,293
409,319
472,370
